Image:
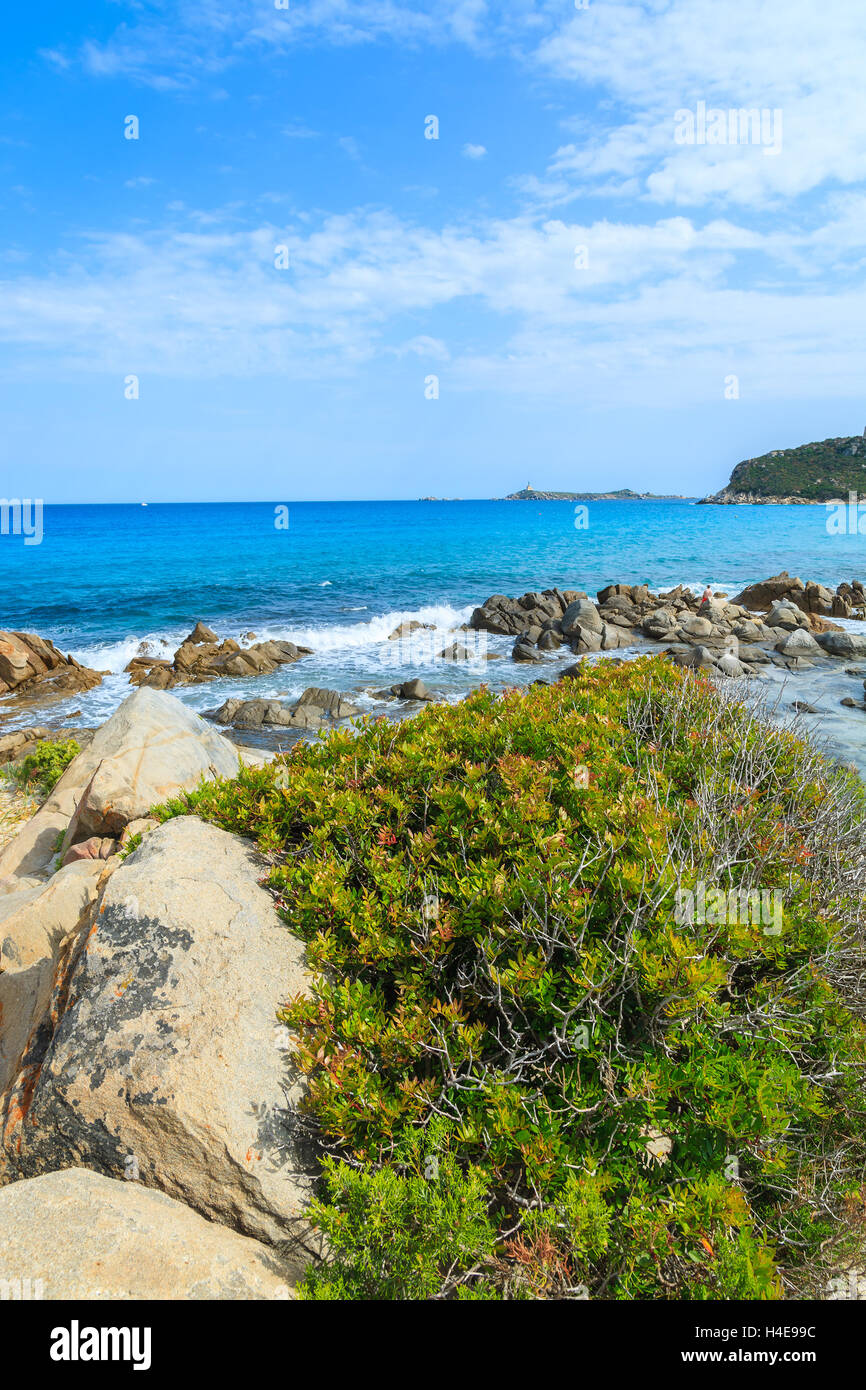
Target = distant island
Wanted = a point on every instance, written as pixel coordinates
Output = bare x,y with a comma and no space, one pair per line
624,494
812,473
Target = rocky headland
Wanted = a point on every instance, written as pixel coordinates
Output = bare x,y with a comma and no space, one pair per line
809,475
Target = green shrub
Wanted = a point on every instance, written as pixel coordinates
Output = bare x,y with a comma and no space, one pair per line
41,770
395,1228
647,1106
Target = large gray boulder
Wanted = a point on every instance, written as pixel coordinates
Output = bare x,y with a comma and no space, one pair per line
77,1235
799,643
581,614
842,643
161,1046
786,615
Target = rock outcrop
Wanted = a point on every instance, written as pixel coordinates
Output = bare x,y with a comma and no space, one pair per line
315,709
32,668
159,1047
21,742
810,598
35,922
79,1236
715,634
202,656
151,748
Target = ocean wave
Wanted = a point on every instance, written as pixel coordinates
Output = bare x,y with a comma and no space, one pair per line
115,656
346,636
336,637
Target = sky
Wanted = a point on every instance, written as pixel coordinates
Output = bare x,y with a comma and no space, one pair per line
235,263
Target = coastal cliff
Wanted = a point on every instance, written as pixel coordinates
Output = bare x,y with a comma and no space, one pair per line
811,474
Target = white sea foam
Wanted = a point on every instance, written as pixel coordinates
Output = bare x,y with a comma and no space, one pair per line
357,637
114,656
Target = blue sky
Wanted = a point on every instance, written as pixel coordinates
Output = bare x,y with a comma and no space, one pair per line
411,258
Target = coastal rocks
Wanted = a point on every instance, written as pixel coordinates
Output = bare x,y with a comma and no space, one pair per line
813,599
512,617
579,617
698,657
694,626
730,665
524,651
408,690
21,742
159,1050
97,847
845,644
332,702
316,709
77,1235
252,714
763,594
405,629
457,652
202,656
151,748
785,615
659,623
35,921
31,667
799,643
413,690
200,633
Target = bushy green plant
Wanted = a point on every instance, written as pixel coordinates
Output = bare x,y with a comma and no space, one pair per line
652,1107
395,1229
41,770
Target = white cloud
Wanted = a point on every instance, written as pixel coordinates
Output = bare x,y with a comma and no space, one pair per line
474,151
653,312
659,56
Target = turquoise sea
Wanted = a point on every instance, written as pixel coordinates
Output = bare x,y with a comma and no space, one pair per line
107,579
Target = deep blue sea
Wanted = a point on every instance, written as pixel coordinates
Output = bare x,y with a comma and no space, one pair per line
107,579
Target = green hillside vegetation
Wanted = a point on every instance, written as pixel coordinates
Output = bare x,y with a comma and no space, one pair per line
531,1076
819,472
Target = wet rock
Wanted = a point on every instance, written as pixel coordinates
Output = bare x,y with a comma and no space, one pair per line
200,633
414,690
524,651
405,629
31,668
456,652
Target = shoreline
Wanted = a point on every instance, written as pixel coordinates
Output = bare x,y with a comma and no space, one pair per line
455,651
